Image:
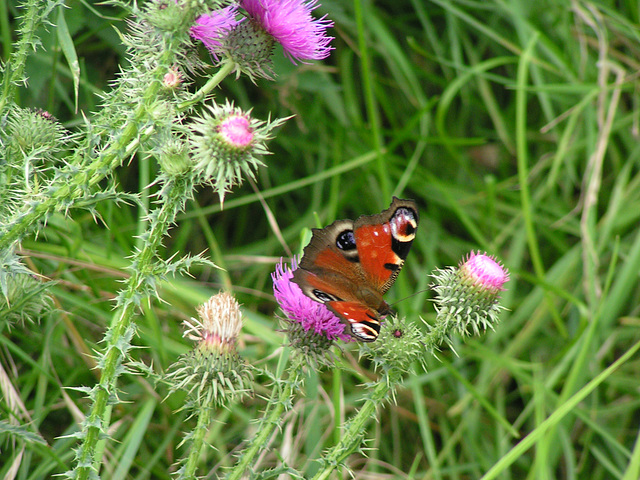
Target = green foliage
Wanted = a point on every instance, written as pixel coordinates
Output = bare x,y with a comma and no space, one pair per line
513,125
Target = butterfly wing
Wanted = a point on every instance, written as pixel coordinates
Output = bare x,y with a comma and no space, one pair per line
384,241
362,321
349,265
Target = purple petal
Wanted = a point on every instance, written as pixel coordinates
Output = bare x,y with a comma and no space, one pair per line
210,28
301,309
290,22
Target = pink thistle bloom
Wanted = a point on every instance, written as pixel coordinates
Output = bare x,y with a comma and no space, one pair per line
236,130
301,309
213,27
290,23
484,272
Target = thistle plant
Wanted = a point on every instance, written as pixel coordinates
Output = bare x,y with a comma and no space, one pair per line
198,140
149,113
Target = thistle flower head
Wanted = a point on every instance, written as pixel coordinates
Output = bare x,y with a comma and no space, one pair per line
249,42
213,27
213,372
484,272
311,326
290,23
218,326
467,296
226,143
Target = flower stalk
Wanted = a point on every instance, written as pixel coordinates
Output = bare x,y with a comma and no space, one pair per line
225,70
197,444
351,437
119,336
279,402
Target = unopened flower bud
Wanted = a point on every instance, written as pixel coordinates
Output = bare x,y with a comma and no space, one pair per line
172,79
226,143
468,296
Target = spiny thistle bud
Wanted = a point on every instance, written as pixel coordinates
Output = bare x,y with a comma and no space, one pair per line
213,372
310,326
397,347
168,15
249,42
25,290
468,296
34,132
174,158
225,144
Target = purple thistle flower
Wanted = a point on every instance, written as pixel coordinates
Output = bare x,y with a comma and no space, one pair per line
300,309
236,130
211,28
290,23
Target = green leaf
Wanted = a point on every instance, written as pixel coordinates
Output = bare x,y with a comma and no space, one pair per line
69,50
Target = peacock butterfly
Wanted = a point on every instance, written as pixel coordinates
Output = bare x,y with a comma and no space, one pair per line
349,265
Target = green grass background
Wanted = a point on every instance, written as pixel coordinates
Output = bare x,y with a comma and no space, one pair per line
513,124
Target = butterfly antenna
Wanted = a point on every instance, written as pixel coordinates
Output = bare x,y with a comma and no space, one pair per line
408,297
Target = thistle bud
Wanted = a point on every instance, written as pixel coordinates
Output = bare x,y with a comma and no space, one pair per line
225,144
172,79
468,296
34,131
213,372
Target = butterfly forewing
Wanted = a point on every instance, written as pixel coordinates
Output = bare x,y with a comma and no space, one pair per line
384,245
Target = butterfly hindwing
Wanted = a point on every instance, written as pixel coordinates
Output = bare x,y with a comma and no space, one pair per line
362,321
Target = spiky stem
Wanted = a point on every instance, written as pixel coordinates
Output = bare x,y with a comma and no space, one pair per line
279,401
351,438
36,12
121,331
204,419
88,175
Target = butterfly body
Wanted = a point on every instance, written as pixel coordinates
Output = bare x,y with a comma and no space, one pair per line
349,265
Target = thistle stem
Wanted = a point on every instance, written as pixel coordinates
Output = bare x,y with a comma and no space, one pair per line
85,176
204,420
280,398
212,83
352,435
119,336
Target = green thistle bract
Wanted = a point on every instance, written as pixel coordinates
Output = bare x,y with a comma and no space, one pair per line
397,347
